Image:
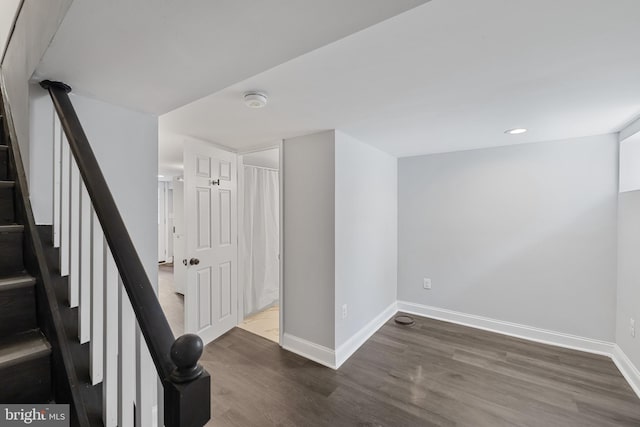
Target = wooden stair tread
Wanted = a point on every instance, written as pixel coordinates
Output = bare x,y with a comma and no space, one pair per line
18,281
7,184
12,228
23,347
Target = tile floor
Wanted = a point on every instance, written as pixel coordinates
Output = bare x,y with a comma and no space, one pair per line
264,324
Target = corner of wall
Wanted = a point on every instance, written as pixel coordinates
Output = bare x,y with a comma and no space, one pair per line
346,350
310,350
629,371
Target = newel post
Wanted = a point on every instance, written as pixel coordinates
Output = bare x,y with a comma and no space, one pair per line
187,390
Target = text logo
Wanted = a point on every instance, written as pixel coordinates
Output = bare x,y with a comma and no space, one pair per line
34,415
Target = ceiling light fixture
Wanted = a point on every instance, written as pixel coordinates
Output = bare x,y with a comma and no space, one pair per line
516,131
255,99
160,176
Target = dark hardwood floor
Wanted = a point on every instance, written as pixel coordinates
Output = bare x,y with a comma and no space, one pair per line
432,374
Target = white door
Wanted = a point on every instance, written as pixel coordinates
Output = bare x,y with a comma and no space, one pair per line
211,240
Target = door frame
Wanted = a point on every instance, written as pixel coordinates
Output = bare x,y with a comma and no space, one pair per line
163,220
240,264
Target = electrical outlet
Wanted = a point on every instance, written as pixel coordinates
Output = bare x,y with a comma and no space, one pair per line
426,283
632,327
344,311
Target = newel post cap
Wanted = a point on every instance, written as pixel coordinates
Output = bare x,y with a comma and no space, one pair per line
185,353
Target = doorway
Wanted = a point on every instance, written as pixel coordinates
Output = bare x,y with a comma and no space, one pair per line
218,281
170,224
259,296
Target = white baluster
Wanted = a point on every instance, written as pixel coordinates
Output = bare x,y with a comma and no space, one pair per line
84,328
65,188
57,178
147,379
97,300
110,380
127,361
74,237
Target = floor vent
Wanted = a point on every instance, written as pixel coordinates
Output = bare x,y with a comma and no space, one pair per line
405,320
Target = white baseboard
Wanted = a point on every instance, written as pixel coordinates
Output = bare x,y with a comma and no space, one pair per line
334,359
530,333
627,368
330,358
355,342
312,351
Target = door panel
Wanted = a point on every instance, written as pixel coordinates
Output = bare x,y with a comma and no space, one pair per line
225,289
211,217
225,170
204,298
225,217
203,222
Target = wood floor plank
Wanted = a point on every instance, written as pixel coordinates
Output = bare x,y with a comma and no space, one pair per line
431,374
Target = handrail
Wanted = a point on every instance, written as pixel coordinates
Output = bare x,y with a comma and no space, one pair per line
53,326
186,383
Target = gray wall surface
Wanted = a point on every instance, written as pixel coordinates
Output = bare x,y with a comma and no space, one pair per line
524,234
40,160
125,144
628,274
366,221
309,238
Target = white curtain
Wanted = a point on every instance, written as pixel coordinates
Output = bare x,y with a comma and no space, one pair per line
261,239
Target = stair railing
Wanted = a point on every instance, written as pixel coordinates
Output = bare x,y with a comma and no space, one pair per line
85,211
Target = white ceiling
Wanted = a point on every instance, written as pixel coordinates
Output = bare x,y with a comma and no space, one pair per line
448,75
8,9
156,55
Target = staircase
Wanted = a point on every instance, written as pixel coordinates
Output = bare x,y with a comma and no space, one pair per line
80,322
25,353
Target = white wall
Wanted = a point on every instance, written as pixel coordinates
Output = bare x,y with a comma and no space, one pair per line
40,160
265,159
309,238
629,249
125,144
365,234
8,11
35,27
631,129
630,163
340,244
628,274
524,234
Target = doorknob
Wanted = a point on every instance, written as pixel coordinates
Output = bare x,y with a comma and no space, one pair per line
215,182
194,261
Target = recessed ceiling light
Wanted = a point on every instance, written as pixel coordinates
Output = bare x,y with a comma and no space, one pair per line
160,176
255,99
516,131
